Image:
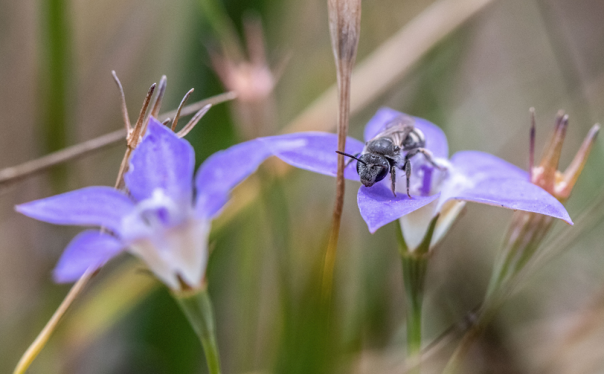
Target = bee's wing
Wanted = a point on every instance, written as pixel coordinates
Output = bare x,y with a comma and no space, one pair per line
397,129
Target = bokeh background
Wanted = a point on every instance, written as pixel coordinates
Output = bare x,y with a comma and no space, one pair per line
477,83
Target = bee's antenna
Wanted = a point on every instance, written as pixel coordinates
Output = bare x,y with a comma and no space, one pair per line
351,156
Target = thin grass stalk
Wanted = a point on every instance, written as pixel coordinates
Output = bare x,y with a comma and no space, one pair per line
36,347
344,26
56,74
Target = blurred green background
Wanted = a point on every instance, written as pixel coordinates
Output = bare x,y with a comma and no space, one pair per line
477,84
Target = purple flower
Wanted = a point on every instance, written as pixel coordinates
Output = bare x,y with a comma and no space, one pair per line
158,220
466,176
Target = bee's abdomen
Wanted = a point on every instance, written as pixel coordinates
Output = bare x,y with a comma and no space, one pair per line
415,139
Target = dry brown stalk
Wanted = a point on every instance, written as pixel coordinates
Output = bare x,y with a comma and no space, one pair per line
345,27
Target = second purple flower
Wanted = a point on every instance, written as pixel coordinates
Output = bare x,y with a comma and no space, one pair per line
436,190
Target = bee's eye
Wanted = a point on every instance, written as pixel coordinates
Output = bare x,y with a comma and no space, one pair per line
381,173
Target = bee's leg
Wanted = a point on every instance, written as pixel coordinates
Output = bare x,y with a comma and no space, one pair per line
407,168
350,160
393,179
428,155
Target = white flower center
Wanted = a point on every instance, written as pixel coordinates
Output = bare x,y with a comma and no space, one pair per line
427,180
167,237
154,214
178,252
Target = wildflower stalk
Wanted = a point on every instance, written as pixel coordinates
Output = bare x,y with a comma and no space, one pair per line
197,307
344,26
415,265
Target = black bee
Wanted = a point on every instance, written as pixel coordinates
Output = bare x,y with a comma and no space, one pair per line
390,149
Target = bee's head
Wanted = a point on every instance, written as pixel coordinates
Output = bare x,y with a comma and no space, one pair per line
372,168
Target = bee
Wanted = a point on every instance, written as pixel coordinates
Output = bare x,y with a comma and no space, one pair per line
391,149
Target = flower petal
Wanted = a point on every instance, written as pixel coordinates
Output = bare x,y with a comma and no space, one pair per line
478,165
314,151
436,141
90,249
490,180
514,194
90,206
379,207
223,171
162,160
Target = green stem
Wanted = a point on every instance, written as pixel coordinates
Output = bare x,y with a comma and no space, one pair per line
56,76
414,274
197,307
415,264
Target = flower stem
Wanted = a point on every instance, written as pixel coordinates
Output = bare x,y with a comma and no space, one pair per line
415,264
414,274
197,307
